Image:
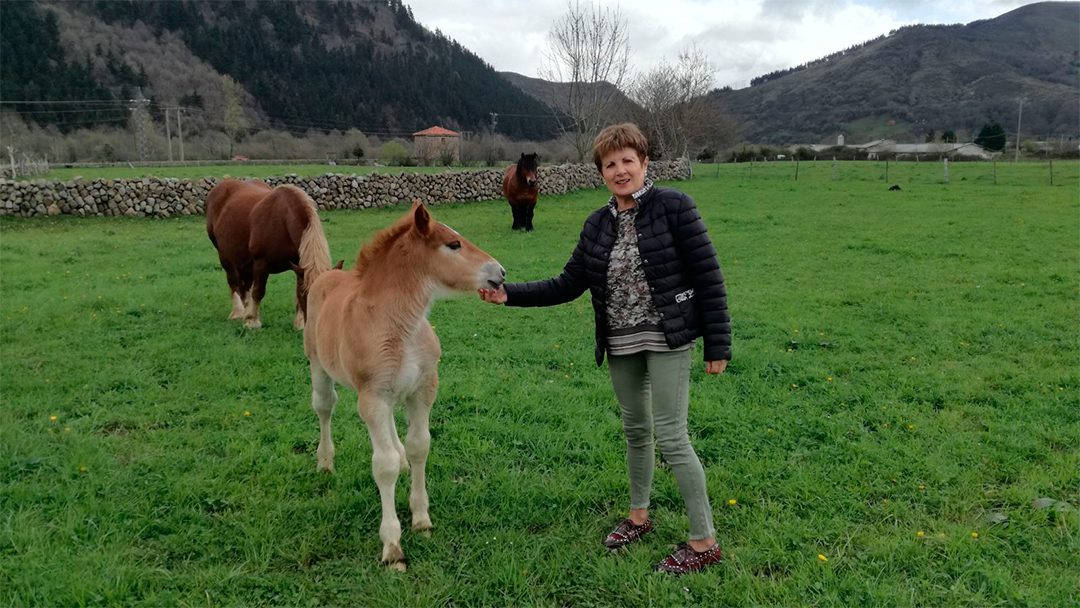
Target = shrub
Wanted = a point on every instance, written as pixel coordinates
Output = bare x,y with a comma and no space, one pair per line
394,153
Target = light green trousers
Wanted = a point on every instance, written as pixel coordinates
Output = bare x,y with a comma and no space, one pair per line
653,389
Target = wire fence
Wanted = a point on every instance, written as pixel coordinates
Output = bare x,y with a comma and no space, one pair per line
1063,173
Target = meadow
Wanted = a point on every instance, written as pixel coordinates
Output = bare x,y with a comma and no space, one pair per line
898,427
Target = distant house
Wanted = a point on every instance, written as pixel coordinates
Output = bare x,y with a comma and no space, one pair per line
437,143
887,147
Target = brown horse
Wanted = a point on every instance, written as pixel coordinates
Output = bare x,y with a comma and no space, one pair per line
521,187
259,231
368,329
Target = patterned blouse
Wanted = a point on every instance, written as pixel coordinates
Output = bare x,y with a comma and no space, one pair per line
633,321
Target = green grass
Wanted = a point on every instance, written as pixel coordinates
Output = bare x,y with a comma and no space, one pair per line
904,362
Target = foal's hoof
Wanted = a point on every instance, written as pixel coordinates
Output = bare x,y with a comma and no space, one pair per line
253,324
394,557
423,527
396,566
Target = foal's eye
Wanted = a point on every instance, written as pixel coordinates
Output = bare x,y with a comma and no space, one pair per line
455,245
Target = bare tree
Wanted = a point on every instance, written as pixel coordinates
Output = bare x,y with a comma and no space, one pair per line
589,51
676,111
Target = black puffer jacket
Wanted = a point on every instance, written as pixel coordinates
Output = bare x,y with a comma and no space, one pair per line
680,266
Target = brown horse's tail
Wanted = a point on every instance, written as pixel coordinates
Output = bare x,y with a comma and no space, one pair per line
314,249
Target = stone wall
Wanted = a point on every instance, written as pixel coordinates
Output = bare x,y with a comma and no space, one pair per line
168,197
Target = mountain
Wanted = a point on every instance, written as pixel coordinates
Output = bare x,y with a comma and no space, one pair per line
555,94
320,65
927,77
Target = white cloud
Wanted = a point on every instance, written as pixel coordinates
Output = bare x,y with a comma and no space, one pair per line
743,38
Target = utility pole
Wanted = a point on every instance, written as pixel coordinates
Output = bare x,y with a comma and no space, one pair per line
168,135
1019,117
180,131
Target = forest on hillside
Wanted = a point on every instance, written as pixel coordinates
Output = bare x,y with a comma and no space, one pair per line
317,65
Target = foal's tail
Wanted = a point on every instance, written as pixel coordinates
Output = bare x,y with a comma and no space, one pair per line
314,250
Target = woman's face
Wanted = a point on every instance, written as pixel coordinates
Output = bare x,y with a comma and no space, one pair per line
623,172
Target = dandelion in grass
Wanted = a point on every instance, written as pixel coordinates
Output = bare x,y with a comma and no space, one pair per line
67,429
53,418
247,414
922,487
911,427
821,557
82,468
974,535
920,534
732,502
828,378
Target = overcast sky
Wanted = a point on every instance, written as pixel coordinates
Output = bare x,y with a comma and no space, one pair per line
743,38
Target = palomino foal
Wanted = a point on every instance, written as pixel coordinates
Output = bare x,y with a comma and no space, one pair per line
368,328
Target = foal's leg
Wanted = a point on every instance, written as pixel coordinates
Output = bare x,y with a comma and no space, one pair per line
259,273
417,446
385,466
323,399
529,208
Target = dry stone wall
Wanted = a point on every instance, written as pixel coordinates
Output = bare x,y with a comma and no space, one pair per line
169,197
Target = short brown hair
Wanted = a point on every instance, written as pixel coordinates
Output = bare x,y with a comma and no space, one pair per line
617,137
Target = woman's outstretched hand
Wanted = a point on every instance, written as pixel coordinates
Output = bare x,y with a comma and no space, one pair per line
495,296
715,367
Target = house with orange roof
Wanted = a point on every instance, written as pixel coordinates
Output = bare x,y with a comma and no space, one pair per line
438,144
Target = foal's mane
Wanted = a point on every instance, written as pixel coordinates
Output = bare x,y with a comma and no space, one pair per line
381,242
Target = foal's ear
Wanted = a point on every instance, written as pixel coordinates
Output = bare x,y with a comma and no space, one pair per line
340,264
421,218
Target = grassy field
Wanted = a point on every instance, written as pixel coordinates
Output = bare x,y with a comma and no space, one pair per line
899,426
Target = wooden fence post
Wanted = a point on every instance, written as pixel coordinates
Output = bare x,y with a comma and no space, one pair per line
834,168
946,162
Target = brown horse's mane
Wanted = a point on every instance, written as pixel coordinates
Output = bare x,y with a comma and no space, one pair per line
381,242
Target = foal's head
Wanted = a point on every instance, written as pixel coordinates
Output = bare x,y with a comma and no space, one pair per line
434,251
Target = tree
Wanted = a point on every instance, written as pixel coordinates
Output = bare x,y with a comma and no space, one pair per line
948,137
676,110
236,123
991,137
589,50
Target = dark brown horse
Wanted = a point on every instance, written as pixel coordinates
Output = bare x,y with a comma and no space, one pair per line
259,231
521,187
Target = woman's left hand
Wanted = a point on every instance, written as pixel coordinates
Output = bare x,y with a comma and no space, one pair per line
715,367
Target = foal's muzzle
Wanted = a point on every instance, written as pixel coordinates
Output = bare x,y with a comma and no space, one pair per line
493,274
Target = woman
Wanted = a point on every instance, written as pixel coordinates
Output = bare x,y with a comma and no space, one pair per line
656,286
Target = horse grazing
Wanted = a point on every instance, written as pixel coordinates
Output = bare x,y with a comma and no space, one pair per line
368,329
259,231
521,187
